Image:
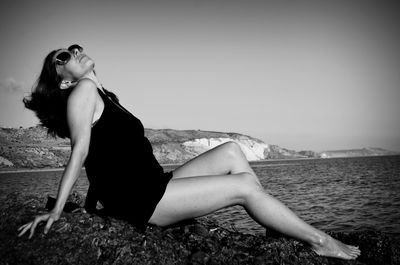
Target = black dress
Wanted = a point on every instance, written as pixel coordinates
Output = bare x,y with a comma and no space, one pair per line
123,173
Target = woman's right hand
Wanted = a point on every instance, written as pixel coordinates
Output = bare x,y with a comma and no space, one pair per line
50,217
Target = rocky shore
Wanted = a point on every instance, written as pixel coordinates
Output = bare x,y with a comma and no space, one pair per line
80,238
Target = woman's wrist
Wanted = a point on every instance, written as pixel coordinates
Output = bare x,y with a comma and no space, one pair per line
57,210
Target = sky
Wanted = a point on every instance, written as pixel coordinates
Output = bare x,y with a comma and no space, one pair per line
304,75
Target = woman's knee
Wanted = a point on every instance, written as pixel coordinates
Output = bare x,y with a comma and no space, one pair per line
232,150
248,186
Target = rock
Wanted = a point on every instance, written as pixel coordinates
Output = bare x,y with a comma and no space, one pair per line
5,162
80,238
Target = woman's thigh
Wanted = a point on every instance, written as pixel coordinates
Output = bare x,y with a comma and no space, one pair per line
224,159
192,197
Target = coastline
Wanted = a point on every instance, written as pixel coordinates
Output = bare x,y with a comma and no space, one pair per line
285,180
317,158
216,244
28,170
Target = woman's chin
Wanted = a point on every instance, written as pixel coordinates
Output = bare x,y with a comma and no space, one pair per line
90,64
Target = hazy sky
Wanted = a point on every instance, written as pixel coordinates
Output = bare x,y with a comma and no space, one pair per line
305,75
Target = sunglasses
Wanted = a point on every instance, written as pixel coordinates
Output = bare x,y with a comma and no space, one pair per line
63,57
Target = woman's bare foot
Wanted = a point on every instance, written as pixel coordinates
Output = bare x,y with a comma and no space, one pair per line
331,247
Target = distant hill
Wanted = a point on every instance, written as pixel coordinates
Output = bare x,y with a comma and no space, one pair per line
33,148
177,146
372,151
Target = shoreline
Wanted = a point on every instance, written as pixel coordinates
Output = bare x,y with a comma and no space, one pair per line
29,170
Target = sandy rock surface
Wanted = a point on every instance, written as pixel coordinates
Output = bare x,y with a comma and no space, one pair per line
81,238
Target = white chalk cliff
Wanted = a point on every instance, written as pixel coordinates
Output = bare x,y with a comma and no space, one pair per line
177,146
252,149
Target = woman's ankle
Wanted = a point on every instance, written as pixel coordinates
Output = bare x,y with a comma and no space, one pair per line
318,239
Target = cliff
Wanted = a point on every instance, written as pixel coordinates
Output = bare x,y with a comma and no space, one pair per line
80,238
33,148
173,146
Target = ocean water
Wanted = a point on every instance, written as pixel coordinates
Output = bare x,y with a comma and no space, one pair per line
341,194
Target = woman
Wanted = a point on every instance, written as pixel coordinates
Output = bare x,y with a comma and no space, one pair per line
124,174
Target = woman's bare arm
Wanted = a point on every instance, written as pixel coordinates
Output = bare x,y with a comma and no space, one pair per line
81,106
80,111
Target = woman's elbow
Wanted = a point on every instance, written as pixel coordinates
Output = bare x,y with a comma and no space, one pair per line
80,152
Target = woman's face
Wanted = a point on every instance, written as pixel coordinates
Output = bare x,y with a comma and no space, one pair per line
76,67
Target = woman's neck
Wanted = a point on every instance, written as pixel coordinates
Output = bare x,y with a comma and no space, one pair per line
92,76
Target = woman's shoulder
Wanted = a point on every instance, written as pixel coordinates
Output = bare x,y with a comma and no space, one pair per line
84,91
84,87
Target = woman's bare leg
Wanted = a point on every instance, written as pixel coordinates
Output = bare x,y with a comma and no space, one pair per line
224,159
192,197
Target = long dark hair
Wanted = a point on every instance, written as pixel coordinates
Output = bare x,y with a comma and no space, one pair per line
48,101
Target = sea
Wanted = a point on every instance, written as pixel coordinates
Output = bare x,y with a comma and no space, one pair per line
336,194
